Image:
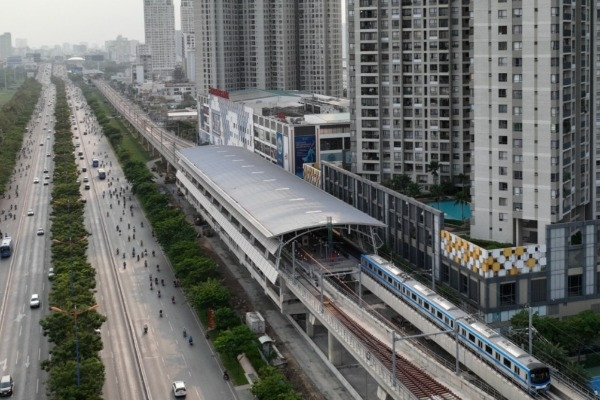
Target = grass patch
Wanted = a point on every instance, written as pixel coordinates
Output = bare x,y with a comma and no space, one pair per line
134,148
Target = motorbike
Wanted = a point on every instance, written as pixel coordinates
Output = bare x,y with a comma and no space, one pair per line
156,280
162,282
225,375
184,333
145,329
191,341
160,313
173,299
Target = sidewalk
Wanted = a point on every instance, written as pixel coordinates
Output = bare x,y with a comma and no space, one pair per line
303,364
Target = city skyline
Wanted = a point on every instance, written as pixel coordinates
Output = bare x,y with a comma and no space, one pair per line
45,23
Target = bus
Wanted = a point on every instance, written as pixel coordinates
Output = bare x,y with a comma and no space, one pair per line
95,162
101,173
6,247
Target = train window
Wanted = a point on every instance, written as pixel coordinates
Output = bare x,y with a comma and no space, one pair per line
414,296
447,320
497,356
479,344
451,324
379,272
507,362
420,302
472,337
488,349
388,279
517,370
439,315
426,305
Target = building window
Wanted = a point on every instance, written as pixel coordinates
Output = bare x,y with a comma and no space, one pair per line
517,110
502,124
574,285
517,12
502,14
502,45
502,77
502,186
502,108
538,290
502,201
517,46
502,61
518,175
502,216
508,294
517,78
502,170
517,29
503,140
502,30
501,92
463,284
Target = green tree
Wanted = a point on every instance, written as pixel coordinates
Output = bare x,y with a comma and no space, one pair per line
433,168
413,190
234,341
273,386
226,318
461,199
209,294
437,192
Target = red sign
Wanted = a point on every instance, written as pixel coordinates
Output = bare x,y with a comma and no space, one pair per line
218,92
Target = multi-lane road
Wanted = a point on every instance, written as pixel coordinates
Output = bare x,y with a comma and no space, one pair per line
138,365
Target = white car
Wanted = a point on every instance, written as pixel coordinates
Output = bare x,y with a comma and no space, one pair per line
36,180
179,389
40,232
50,273
34,302
30,212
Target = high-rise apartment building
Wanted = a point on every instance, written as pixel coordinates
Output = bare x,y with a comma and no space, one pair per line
188,42
269,44
533,152
409,67
159,28
5,45
121,50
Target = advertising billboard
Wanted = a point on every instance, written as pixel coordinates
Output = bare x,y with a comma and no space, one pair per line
304,152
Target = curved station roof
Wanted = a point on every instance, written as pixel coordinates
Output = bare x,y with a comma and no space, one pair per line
273,200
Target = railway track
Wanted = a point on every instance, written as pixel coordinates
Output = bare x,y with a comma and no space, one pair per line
414,379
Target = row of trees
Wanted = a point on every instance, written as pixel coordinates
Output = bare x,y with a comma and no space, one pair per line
198,273
14,117
561,343
74,366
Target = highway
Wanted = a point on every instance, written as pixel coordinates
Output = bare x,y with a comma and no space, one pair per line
138,365
22,346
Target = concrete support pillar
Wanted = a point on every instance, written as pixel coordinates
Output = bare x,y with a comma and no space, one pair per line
334,350
382,394
311,322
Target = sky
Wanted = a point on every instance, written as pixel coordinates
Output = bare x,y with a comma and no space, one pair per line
52,22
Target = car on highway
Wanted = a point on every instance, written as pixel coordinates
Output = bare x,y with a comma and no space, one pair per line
36,180
34,302
86,179
179,389
48,154
41,143
6,386
30,212
51,273
45,170
40,232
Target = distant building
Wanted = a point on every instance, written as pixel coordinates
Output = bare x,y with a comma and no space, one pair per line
188,43
270,44
287,128
159,27
143,63
121,50
21,43
80,49
5,45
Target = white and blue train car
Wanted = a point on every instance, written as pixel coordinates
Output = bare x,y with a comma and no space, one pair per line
513,362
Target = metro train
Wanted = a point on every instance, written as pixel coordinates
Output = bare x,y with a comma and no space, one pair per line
513,362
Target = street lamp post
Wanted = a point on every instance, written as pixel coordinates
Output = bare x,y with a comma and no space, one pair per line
75,314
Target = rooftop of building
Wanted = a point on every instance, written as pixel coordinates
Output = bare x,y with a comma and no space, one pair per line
294,105
273,200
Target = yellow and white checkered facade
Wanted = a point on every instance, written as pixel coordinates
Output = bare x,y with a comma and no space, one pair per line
496,262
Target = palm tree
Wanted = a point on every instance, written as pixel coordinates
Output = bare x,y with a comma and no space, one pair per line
433,168
437,191
461,198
